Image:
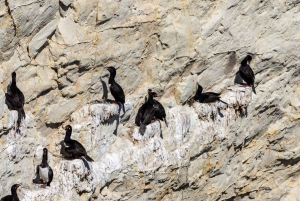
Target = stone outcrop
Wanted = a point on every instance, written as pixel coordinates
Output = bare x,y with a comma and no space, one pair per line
247,150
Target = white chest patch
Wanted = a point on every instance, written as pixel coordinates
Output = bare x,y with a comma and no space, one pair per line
66,145
44,173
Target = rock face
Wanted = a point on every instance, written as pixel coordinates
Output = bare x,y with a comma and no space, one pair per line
247,150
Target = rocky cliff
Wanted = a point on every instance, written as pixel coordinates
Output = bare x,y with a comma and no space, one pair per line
248,150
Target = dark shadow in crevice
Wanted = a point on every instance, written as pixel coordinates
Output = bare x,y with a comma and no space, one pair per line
53,125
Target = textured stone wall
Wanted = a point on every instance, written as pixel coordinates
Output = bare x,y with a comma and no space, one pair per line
60,50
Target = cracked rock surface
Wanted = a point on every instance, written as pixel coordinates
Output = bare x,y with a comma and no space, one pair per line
60,50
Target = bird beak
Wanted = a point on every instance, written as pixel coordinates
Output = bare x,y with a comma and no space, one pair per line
18,185
108,68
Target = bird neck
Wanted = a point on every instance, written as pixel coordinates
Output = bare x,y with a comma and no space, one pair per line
112,77
68,136
199,90
150,99
45,159
244,62
13,82
14,192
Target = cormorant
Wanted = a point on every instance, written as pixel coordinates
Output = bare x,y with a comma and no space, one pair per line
16,99
146,113
246,72
160,112
13,196
115,89
207,97
73,147
44,170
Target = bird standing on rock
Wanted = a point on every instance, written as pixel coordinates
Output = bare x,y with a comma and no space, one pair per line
73,147
13,196
115,89
160,112
146,113
16,99
44,170
207,97
247,73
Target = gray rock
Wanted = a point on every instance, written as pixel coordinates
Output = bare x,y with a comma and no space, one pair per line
247,150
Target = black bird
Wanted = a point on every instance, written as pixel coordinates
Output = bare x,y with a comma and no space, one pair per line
16,99
160,112
115,89
13,196
246,72
146,113
207,97
73,147
44,170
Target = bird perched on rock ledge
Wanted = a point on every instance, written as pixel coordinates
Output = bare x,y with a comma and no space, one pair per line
16,99
207,97
73,147
44,170
146,113
115,89
247,73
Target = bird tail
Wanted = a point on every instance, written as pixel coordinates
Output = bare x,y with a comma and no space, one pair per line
123,108
142,129
88,158
21,116
223,102
253,89
165,120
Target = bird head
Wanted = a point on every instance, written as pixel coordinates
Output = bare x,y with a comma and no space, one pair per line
68,128
45,151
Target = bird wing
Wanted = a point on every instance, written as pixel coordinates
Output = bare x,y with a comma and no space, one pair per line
139,116
148,115
117,92
76,148
247,74
213,93
208,98
14,101
50,175
6,198
159,110
251,72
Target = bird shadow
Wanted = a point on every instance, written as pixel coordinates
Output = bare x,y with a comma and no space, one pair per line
220,113
105,89
8,92
238,79
111,120
161,133
86,164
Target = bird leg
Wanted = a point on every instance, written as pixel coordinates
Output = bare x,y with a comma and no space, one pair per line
244,85
44,185
153,120
111,101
